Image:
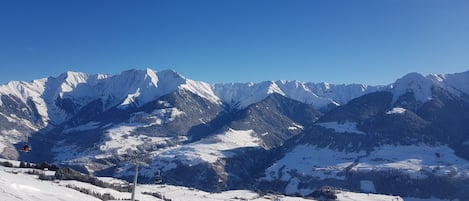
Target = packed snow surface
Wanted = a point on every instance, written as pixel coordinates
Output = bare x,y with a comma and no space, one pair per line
23,187
350,196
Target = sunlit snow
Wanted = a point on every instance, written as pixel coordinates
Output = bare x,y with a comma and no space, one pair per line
212,148
412,160
396,110
415,83
120,140
9,137
295,126
157,117
16,185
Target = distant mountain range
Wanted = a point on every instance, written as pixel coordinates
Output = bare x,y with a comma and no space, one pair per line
408,138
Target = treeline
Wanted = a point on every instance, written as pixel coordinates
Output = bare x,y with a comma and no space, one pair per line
65,173
23,164
6,164
71,174
40,166
157,195
104,196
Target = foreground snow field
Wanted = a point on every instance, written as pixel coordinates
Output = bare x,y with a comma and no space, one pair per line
17,185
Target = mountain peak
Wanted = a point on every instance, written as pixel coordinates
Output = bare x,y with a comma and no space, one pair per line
171,73
71,79
415,83
141,86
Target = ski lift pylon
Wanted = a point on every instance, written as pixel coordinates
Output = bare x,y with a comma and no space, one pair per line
158,179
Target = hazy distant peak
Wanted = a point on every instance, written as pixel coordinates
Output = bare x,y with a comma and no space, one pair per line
456,83
415,83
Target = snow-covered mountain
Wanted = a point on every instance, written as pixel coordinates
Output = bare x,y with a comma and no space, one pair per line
58,98
410,139
319,95
273,135
43,104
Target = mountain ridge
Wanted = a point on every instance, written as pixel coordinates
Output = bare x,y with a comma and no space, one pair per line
142,86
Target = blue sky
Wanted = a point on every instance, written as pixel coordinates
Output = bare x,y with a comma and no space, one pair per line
218,41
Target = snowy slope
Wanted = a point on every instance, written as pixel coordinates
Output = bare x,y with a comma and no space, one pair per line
212,148
120,140
207,150
16,185
323,163
23,187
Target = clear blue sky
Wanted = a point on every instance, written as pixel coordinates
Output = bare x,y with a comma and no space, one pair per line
338,41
